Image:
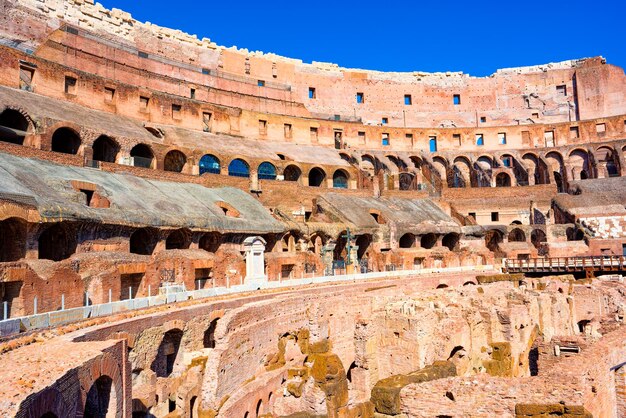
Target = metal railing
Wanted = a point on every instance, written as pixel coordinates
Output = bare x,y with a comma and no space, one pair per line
566,264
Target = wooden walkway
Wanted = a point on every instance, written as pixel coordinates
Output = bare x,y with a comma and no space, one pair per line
589,265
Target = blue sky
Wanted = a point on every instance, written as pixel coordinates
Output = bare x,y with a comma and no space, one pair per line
475,37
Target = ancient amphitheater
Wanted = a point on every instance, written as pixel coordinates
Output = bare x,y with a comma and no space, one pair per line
189,230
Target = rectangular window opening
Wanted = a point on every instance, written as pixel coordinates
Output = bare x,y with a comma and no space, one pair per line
561,90
176,108
573,132
261,83
502,138
288,130
144,101
457,139
408,100
26,78
206,121
312,93
109,94
192,93
313,133
456,99
480,141
385,121
262,127
385,139
361,135
142,54
601,129
70,85
360,98
495,216
483,119
432,143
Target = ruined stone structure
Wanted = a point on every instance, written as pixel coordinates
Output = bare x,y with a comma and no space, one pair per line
139,164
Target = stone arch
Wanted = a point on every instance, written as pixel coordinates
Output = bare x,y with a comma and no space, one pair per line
451,240
142,156
163,363
517,235
608,160
574,234
14,126
12,239
538,238
259,408
210,242
318,240
407,181
101,399
554,161
442,286
239,168
178,239
428,241
537,169
267,171
483,167
209,163
503,180
292,173
143,241
398,162
340,179
66,141
57,242
579,164
363,242
48,403
461,172
407,240
105,149
174,161
493,238
441,166
316,177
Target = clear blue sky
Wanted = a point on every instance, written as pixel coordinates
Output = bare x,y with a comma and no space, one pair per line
476,37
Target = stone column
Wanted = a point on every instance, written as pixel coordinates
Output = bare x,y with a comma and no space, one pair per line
254,248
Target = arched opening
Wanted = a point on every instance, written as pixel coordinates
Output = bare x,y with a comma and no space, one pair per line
503,180
209,164
143,241
493,238
558,180
407,182
451,241
316,177
56,243
537,169
66,141
292,173
105,149
517,235
13,127
163,364
538,238
580,164
318,243
178,239
574,234
554,161
174,161
208,341
461,173
101,400
582,325
259,408
349,372
407,240
238,168
340,252
363,242
340,179
442,286
142,156
428,241
12,239
210,242
483,168
469,284
267,171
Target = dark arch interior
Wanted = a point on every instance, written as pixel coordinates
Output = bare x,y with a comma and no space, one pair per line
105,149
492,239
143,241
316,177
66,141
363,242
177,240
340,180
174,161
259,406
210,242
142,156
538,237
574,234
503,180
517,235
56,243
98,398
12,239
451,241
267,171
13,127
163,363
428,241
407,240
209,335
292,173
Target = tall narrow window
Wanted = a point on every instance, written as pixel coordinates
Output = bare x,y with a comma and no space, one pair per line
109,94
262,127
408,100
502,138
456,99
26,77
480,140
360,98
456,138
192,93
432,143
288,130
313,133
176,111
311,92
385,139
144,101
361,137
206,121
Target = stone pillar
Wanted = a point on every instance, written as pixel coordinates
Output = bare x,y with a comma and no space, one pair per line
354,267
328,252
254,248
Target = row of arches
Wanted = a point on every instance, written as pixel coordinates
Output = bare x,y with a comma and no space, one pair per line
428,241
